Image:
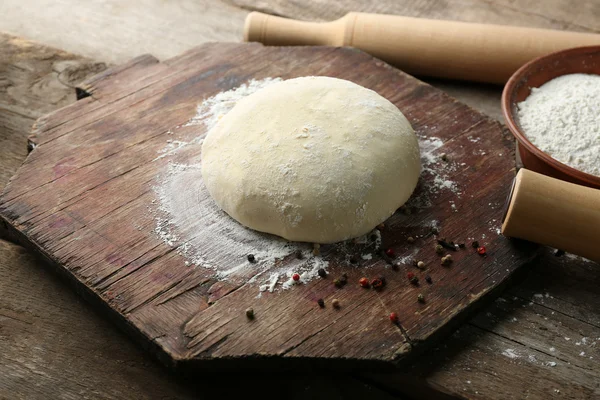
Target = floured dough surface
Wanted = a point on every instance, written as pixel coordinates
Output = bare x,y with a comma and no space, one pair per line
312,159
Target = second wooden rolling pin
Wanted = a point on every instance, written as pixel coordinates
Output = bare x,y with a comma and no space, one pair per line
555,213
447,49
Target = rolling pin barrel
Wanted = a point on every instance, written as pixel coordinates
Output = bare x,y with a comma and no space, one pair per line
555,213
447,49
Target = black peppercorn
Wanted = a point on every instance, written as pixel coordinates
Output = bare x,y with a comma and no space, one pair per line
321,303
251,258
322,273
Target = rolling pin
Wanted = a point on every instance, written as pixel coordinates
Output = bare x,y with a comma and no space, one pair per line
555,213
446,49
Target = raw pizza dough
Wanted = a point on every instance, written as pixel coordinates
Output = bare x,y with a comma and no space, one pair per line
312,159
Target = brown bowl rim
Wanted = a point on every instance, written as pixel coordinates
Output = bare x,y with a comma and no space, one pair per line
515,128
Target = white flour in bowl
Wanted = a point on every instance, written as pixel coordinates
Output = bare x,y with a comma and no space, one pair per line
562,118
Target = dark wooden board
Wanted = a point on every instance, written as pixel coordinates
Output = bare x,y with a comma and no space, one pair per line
81,200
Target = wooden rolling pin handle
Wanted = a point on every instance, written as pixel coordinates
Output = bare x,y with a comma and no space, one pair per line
554,213
447,49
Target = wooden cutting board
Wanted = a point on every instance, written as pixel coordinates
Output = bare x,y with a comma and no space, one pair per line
84,199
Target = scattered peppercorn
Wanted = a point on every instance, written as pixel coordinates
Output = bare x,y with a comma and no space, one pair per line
344,278
444,157
299,255
250,313
421,298
321,303
251,258
353,260
475,244
396,266
378,283
335,303
364,282
447,259
322,273
390,253
439,249
296,277
373,237
412,278
461,245
421,265
394,318
449,246
381,226
481,251
428,279
410,239
316,249
559,253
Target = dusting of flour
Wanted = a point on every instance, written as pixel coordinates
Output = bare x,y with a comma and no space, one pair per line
188,219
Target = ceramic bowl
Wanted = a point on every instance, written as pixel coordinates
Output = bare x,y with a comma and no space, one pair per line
532,75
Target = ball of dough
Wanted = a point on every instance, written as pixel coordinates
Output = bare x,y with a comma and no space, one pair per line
312,159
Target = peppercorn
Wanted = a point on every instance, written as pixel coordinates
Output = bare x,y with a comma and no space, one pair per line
335,303
396,266
412,278
475,244
410,239
378,283
296,277
444,157
428,279
421,298
299,254
559,253
390,253
394,318
251,258
321,303
421,265
364,282
344,278
373,237
447,259
250,313
322,273
353,260
481,251
461,245
439,249
338,283
448,245
435,231
316,249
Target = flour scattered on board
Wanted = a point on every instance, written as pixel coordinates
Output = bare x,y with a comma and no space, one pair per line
187,218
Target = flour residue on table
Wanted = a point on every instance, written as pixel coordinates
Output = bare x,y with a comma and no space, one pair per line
187,217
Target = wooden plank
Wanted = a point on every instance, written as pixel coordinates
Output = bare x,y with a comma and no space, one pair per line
34,80
451,366
101,165
58,348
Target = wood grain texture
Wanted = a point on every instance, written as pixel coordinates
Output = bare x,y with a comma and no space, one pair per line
60,349
34,80
470,358
116,31
100,165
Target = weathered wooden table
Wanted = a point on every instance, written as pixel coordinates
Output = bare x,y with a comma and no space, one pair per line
539,340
